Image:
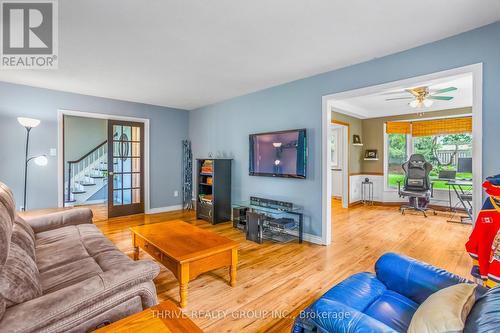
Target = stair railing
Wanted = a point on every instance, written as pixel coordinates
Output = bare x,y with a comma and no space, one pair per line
83,169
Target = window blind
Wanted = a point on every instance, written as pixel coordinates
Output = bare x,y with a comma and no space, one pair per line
430,127
398,127
442,126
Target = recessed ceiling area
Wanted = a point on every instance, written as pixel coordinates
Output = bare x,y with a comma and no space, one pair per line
187,54
383,104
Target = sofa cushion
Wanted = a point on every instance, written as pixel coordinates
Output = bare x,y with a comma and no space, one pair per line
2,307
412,278
7,214
357,291
393,309
61,252
445,310
485,314
22,235
327,315
68,274
19,277
69,255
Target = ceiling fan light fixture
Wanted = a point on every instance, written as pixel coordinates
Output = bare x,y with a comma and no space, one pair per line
428,103
414,103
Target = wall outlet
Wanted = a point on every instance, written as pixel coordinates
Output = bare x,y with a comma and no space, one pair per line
176,193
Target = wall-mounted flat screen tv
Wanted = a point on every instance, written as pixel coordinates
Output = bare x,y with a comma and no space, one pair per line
279,154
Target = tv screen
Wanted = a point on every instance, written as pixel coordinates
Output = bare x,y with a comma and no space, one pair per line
279,154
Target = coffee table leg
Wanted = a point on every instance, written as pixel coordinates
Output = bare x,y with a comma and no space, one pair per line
183,285
232,269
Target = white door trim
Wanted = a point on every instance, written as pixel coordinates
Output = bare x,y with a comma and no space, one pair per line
477,125
344,130
60,136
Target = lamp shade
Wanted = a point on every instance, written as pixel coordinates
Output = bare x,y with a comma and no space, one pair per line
28,122
428,103
41,160
414,103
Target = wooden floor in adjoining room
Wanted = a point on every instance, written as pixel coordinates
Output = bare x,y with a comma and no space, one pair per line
286,278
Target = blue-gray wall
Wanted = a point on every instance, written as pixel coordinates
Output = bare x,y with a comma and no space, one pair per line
81,135
224,127
168,128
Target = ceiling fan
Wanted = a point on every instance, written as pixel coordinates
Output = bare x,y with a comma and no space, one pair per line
423,96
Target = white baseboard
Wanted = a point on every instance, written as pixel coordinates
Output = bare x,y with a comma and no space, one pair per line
163,209
307,237
313,239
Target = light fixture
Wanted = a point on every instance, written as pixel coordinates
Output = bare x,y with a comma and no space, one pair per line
28,122
414,103
41,160
277,144
428,103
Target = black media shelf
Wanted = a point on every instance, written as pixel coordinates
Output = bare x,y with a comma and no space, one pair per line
213,199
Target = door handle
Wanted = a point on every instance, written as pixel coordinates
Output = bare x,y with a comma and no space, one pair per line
111,173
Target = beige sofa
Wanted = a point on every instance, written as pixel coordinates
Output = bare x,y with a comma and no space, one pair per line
59,273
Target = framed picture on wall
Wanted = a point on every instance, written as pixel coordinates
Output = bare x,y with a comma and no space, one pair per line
371,154
356,139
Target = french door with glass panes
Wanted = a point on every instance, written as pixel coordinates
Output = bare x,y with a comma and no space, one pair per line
125,168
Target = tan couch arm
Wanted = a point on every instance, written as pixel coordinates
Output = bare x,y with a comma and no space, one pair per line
60,219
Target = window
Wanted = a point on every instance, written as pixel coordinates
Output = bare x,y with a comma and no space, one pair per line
397,154
450,151
446,153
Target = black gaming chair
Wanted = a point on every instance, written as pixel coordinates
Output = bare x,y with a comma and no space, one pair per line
417,186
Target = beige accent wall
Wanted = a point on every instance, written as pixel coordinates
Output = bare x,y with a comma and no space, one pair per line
355,152
373,134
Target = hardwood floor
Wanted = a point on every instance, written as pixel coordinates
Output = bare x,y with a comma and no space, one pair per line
275,282
286,278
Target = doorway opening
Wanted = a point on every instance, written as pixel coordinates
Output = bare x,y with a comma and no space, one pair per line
391,122
105,163
339,162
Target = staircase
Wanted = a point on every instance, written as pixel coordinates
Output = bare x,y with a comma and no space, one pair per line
86,176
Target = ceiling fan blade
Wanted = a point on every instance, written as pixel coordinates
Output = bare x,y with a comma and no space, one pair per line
394,92
440,91
413,91
393,99
440,98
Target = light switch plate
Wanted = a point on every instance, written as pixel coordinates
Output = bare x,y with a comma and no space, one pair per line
53,152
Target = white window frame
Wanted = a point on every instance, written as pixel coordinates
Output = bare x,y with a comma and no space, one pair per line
409,145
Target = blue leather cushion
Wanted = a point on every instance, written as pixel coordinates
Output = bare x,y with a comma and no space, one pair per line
331,316
393,309
411,278
485,314
357,291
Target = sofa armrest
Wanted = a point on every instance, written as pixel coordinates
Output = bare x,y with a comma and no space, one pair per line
326,315
60,219
87,299
412,278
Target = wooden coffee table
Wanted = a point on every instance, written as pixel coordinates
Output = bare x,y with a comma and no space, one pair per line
186,250
162,318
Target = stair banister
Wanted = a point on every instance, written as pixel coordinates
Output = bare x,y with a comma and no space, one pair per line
83,164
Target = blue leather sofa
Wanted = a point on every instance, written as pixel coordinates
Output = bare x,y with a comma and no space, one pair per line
386,301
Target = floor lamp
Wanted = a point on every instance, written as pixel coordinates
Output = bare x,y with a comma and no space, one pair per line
28,124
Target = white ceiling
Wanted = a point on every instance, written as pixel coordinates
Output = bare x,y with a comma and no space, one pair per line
375,104
188,53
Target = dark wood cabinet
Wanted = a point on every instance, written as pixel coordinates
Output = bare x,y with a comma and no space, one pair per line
213,188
